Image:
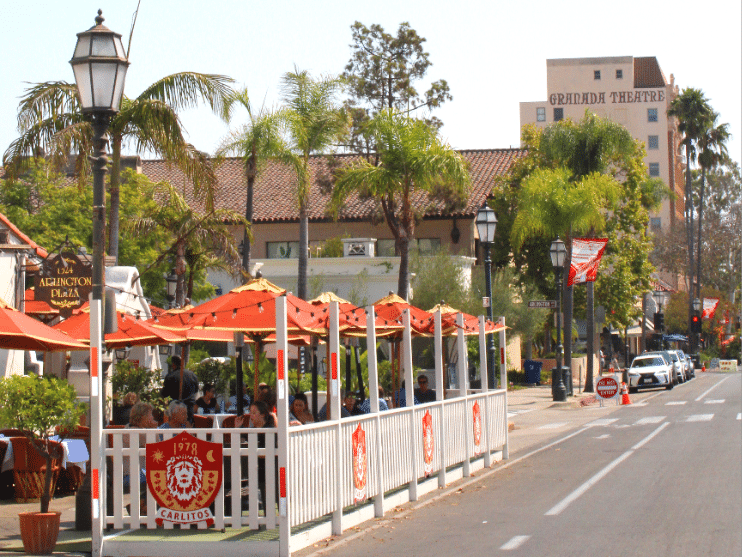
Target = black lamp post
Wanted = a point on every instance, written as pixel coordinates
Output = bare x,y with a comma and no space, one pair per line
486,222
171,281
558,254
659,318
99,64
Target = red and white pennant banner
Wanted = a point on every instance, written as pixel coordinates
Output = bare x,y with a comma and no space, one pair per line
709,307
586,254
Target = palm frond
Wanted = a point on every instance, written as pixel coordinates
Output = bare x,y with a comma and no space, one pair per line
187,89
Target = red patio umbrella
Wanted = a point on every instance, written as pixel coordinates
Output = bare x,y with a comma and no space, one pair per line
131,331
471,322
352,319
18,331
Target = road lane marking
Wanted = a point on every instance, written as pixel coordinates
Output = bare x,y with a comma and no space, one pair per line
564,503
602,422
712,388
719,401
604,436
650,420
700,418
739,416
514,543
555,425
676,403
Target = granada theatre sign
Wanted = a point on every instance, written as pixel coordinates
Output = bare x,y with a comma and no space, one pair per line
64,283
614,97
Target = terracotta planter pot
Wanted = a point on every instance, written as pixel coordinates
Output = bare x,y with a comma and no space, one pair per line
39,532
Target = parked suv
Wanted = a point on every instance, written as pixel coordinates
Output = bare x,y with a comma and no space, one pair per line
650,370
674,361
687,366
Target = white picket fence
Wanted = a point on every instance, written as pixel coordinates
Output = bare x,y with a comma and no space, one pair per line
310,465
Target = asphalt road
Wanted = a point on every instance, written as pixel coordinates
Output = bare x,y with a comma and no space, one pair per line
658,478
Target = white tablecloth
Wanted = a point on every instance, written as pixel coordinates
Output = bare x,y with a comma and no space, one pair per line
75,452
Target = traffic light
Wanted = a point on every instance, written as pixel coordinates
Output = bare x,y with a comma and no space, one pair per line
659,321
696,324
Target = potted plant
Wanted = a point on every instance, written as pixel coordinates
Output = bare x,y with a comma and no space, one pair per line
36,406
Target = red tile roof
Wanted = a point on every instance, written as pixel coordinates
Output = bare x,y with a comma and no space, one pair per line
647,73
275,189
38,250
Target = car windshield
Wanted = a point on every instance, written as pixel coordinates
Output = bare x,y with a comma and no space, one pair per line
646,362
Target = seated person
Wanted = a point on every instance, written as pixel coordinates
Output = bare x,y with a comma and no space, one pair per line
400,398
348,401
206,404
139,418
422,393
177,416
299,410
121,413
365,406
232,406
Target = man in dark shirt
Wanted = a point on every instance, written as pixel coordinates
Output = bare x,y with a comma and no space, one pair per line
171,386
422,393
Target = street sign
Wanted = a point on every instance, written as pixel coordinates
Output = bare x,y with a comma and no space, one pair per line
607,387
548,304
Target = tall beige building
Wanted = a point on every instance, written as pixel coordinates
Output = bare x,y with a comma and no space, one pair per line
631,91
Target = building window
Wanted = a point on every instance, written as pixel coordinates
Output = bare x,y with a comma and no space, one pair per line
653,142
655,223
654,169
597,74
282,250
541,114
619,74
651,115
558,114
426,246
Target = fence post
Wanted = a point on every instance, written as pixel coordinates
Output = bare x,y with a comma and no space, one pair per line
373,393
504,379
334,413
410,399
463,373
282,408
97,459
439,390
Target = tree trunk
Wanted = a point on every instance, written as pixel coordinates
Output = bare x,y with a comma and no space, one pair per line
403,282
115,191
303,252
246,247
689,237
700,223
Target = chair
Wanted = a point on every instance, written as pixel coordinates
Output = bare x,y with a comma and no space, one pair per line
203,421
29,468
71,478
11,432
229,421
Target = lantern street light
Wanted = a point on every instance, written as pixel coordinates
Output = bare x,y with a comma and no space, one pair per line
660,298
171,281
99,64
558,254
486,222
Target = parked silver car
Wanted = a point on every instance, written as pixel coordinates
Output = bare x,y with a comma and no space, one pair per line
650,370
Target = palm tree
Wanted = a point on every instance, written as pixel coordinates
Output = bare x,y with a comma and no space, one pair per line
49,119
411,158
198,241
256,142
314,123
713,150
693,112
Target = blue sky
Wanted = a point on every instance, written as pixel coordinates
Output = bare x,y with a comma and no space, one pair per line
493,54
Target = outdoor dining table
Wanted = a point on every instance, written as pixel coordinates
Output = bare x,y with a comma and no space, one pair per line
75,453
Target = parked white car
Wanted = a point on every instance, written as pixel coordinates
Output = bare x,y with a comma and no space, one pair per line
676,371
650,370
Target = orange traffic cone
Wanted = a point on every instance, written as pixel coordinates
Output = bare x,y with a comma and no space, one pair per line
625,394
703,367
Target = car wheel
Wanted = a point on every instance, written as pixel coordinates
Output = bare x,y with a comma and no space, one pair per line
669,386
633,390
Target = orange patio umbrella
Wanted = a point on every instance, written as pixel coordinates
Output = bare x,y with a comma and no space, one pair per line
131,331
471,322
18,331
352,319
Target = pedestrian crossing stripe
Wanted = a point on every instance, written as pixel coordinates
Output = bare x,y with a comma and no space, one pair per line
676,403
714,401
739,416
603,422
650,420
555,425
700,418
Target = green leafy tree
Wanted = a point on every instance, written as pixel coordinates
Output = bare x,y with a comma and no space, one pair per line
255,143
50,121
382,74
314,123
36,406
412,159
